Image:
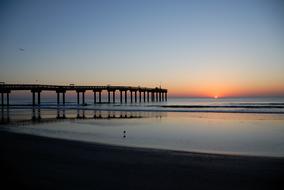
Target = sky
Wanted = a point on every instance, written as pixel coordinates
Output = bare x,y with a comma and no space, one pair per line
194,48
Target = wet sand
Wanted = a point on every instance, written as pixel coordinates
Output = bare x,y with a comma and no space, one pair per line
32,162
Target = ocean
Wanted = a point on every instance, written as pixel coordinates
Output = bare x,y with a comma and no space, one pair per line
239,126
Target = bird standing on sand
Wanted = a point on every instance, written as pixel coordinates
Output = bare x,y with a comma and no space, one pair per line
124,134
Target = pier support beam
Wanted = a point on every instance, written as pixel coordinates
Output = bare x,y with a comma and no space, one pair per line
166,96
157,97
139,96
135,94
78,97
33,98
144,97
131,96
125,96
8,98
38,96
121,96
58,98
83,98
100,96
113,96
95,97
63,98
108,96
160,97
147,96
2,99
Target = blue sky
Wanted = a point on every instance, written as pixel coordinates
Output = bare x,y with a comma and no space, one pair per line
194,48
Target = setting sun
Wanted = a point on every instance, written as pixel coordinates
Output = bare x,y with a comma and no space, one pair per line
216,97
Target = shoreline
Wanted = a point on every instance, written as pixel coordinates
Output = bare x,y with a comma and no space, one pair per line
168,109
35,162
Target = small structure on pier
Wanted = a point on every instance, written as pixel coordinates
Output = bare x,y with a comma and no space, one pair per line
148,94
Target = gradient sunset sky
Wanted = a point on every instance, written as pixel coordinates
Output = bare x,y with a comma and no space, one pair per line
196,48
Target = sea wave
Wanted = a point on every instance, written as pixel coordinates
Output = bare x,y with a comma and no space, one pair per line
226,106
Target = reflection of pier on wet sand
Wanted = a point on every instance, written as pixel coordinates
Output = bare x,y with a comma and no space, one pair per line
37,114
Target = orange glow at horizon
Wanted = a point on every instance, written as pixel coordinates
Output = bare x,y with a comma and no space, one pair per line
221,91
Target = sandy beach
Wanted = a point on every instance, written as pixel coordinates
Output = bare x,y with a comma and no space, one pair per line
32,162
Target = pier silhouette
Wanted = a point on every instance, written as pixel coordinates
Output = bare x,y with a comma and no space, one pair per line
148,94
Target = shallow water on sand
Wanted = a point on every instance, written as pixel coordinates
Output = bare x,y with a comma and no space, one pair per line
227,133
221,105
